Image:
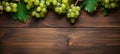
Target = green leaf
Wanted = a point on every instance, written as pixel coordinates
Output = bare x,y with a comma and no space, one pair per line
105,11
22,13
90,5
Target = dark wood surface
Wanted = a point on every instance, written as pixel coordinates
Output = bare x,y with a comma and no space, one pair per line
54,35
54,20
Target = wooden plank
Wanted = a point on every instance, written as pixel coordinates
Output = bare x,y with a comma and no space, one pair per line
54,20
60,40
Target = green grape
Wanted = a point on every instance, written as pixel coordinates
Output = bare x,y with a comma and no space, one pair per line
73,12
68,15
51,0
74,9
54,2
65,1
38,9
78,8
42,15
63,6
42,1
44,10
57,9
106,1
110,4
70,10
60,10
30,3
14,10
77,13
113,5
48,3
25,0
36,2
14,5
37,15
6,4
72,20
31,0
8,8
42,5
72,15
28,7
106,5
58,4
34,13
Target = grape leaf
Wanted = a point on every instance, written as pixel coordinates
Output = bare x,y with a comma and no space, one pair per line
22,13
90,5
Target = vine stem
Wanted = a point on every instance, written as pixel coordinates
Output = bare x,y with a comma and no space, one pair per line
77,2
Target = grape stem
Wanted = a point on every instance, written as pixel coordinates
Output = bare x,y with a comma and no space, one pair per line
77,2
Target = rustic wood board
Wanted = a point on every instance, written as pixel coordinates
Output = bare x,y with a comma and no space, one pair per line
60,40
54,20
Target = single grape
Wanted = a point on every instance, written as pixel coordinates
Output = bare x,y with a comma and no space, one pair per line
34,13
74,9
14,10
48,3
63,6
44,10
72,15
36,2
78,8
60,10
57,9
65,1
106,1
25,0
72,20
68,15
37,15
31,0
106,5
38,9
8,8
113,5
50,0
42,14
77,13
70,10
28,7
54,2
42,5
6,4
30,3
14,5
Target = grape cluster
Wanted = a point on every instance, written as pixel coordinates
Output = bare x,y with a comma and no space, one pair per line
9,7
60,6
73,12
40,7
110,4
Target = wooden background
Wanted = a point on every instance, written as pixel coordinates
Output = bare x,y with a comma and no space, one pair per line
55,35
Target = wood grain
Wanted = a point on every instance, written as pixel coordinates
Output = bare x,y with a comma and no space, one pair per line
54,20
60,40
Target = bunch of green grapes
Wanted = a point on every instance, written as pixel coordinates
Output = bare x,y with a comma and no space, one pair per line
60,6
40,7
110,4
73,12
9,7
